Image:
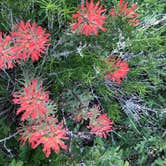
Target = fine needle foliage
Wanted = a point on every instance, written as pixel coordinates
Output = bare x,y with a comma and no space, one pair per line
82,83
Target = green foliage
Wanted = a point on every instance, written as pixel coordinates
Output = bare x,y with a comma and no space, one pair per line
4,128
151,149
51,10
114,111
73,70
15,163
11,13
101,155
3,88
149,40
151,7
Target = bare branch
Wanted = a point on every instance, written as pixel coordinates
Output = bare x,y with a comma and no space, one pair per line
9,137
82,135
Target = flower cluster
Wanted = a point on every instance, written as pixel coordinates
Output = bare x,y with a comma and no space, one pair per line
33,100
48,132
89,18
124,11
7,56
24,42
118,71
99,124
40,127
30,41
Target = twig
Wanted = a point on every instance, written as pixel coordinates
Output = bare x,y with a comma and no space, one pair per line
9,137
95,96
7,149
82,135
4,112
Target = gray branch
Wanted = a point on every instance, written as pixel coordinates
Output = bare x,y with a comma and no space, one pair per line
9,137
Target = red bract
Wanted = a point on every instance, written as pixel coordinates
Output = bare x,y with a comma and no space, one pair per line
53,140
30,41
48,133
124,11
101,126
7,56
33,100
89,18
118,70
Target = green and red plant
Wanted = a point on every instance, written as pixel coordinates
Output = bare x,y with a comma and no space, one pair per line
40,124
89,18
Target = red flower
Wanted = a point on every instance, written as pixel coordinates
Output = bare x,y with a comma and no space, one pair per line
120,68
53,140
123,10
48,133
33,100
24,133
89,18
101,126
30,41
7,57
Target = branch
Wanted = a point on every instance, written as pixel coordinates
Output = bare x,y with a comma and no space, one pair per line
82,135
133,106
9,137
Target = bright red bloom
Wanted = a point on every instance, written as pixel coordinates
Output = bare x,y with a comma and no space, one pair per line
48,133
101,126
118,70
99,123
89,18
124,11
53,139
7,57
30,41
33,100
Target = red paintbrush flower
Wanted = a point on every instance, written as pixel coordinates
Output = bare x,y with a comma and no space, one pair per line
33,100
89,18
7,56
54,139
124,11
101,126
30,41
48,133
118,70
